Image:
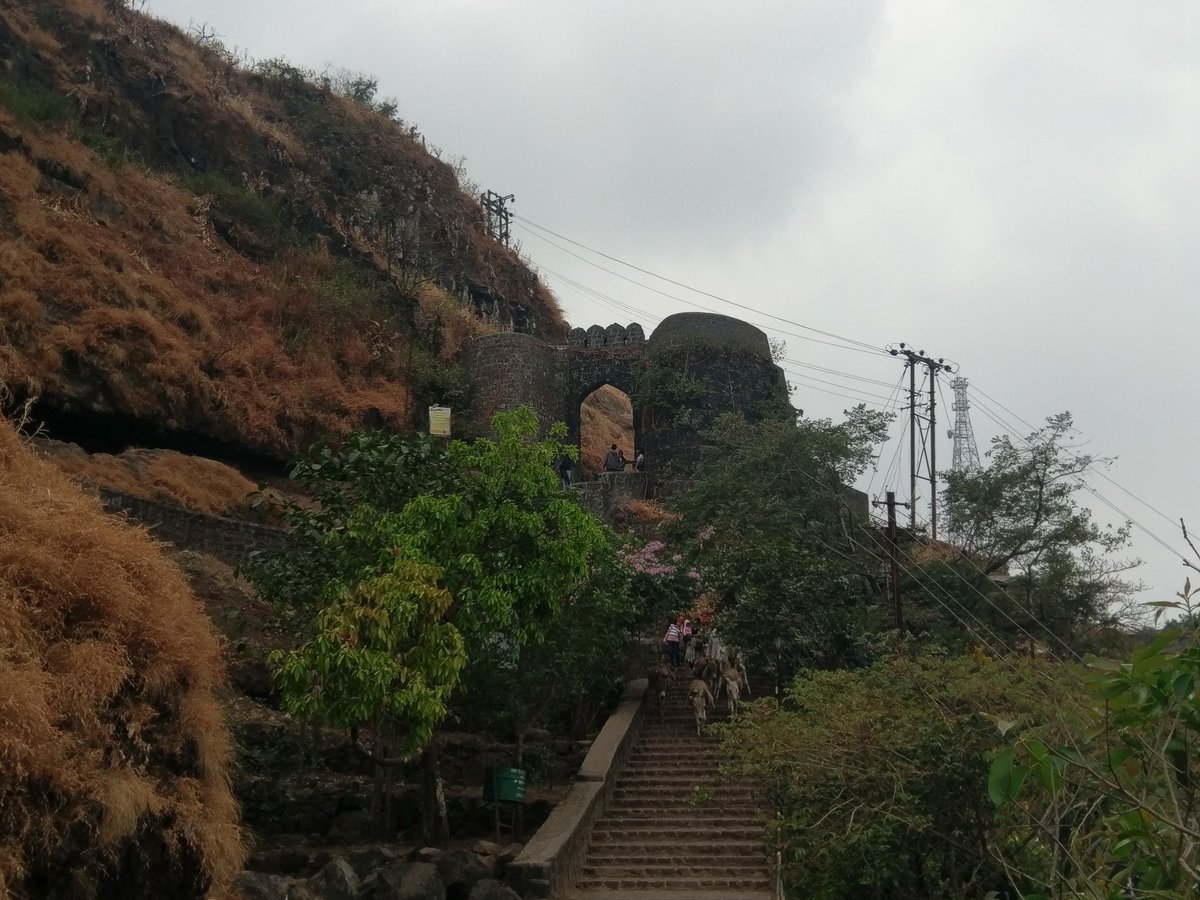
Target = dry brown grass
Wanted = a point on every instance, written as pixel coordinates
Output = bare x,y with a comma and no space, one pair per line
650,512
113,751
199,484
126,293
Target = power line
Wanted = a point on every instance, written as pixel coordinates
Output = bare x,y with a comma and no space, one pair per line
847,343
1150,506
866,396
1008,428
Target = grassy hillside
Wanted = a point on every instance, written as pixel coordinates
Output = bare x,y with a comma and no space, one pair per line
114,756
209,253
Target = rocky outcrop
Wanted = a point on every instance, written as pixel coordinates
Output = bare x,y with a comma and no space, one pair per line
380,872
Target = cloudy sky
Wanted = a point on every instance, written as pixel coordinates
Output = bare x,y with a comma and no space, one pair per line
1013,186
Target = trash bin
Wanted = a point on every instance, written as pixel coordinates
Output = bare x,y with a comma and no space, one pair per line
503,784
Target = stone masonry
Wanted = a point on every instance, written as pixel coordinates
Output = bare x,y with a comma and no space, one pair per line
730,360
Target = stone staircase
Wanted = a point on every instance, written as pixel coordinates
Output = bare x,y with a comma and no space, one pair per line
674,829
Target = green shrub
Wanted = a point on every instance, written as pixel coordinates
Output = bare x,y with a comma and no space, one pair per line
265,218
879,776
31,102
111,150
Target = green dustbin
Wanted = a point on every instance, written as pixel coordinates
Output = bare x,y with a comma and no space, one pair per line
504,784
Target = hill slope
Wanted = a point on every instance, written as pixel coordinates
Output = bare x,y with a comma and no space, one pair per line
196,254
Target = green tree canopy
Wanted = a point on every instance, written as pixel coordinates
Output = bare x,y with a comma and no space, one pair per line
416,560
1034,561
774,540
879,776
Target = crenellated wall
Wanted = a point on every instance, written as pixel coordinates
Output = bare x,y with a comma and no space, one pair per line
729,358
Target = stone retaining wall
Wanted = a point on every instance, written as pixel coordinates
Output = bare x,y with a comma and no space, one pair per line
227,539
609,492
551,861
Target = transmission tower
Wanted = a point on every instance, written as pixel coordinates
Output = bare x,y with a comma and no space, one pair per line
966,454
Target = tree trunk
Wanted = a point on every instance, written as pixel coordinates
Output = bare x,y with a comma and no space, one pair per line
435,825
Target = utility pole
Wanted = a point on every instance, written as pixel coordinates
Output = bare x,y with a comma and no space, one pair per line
497,215
922,427
894,556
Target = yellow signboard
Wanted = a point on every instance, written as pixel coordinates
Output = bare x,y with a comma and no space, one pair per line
439,421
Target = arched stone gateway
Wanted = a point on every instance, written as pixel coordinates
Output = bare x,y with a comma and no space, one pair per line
692,368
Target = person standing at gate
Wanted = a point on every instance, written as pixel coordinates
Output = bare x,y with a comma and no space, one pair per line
639,462
566,470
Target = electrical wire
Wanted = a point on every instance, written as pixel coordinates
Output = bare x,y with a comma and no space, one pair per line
876,351
1007,428
703,293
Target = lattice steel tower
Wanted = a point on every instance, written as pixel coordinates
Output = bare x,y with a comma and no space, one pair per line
966,454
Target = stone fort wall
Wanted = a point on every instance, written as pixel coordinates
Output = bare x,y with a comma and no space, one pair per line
509,370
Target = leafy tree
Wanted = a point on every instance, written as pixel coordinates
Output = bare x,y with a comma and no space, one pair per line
333,535
560,679
474,543
879,776
1117,807
1019,519
774,540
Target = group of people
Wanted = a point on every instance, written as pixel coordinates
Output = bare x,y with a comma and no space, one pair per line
614,461
679,638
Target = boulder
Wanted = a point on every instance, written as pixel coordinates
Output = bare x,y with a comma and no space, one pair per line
511,852
262,886
491,889
460,871
371,858
336,881
487,848
420,882
383,883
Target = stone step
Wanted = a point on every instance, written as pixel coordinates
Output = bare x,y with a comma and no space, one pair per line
662,894
664,846
714,834
681,812
689,794
682,883
679,759
619,822
672,776
648,869
676,811
665,796
738,855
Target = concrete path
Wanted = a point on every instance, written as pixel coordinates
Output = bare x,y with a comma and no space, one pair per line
675,830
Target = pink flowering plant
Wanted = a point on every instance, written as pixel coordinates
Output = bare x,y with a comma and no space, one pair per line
661,579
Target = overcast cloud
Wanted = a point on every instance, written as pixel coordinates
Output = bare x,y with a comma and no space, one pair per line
1010,185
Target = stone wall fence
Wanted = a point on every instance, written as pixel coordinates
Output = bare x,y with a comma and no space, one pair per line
227,539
